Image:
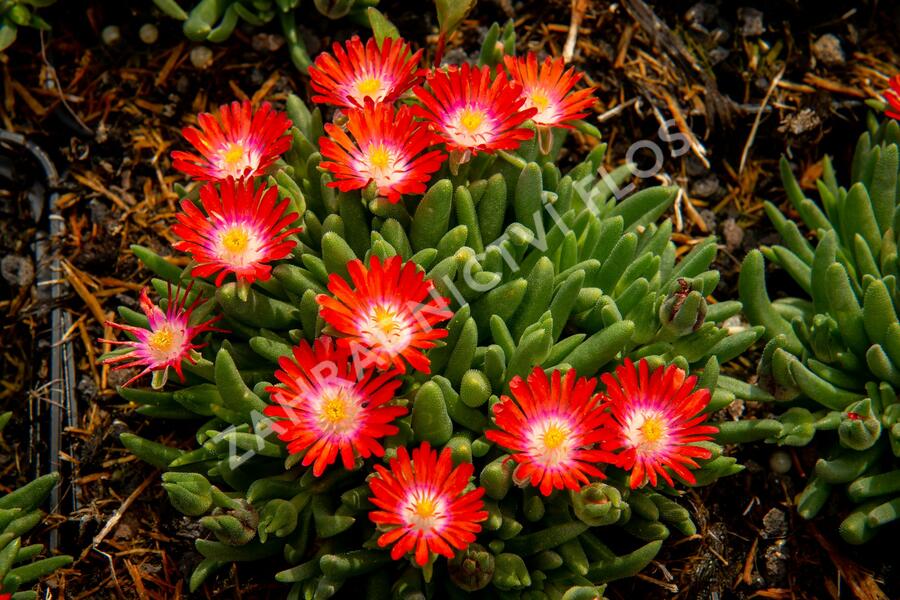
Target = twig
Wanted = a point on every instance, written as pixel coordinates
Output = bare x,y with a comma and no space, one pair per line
671,587
758,118
51,70
114,520
74,277
616,110
747,574
579,7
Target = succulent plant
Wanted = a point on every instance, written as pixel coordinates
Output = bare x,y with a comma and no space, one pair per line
534,275
215,20
19,13
833,355
20,513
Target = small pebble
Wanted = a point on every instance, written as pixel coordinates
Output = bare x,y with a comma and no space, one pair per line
733,234
267,42
111,35
780,462
701,15
801,122
149,33
17,270
705,188
774,524
827,49
201,57
776,562
751,21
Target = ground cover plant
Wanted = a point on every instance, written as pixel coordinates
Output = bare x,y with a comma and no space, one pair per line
393,338
457,314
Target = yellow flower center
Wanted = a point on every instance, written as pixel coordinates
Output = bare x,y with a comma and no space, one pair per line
554,437
423,511
339,410
424,508
235,240
471,120
368,86
233,155
540,100
385,326
380,158
385,320
334,409
652,430
162,341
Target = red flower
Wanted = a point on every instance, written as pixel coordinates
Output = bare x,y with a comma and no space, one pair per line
425,508
384,149
554,428
239,231
384,317
237,143
357,72
658,420
549,90
474,112
168,342
893,97
330,407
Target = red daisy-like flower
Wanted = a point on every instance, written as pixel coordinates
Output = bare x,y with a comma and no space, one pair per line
238,231
548,90
893,97
168,342
473,111
384,149
425,508
328,407
658,421
357,72
384,317
554,427
238,142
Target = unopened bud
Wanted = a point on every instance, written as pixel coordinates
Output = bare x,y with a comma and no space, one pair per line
684,310
859,428
473,569
597,504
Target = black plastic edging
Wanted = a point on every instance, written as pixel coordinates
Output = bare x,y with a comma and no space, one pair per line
49,418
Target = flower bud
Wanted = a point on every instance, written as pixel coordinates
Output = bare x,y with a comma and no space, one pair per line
334,9
597,504
684,310
473,569
825,339
510,572
860,427
798,427
189,493
278,517
233,527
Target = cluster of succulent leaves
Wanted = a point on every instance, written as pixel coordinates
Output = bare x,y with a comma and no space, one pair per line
541,268
215,20
833,356
19,13
19,514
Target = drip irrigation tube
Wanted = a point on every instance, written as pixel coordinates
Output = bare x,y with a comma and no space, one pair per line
50,413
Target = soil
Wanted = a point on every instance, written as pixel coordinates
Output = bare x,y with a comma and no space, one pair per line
108,115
